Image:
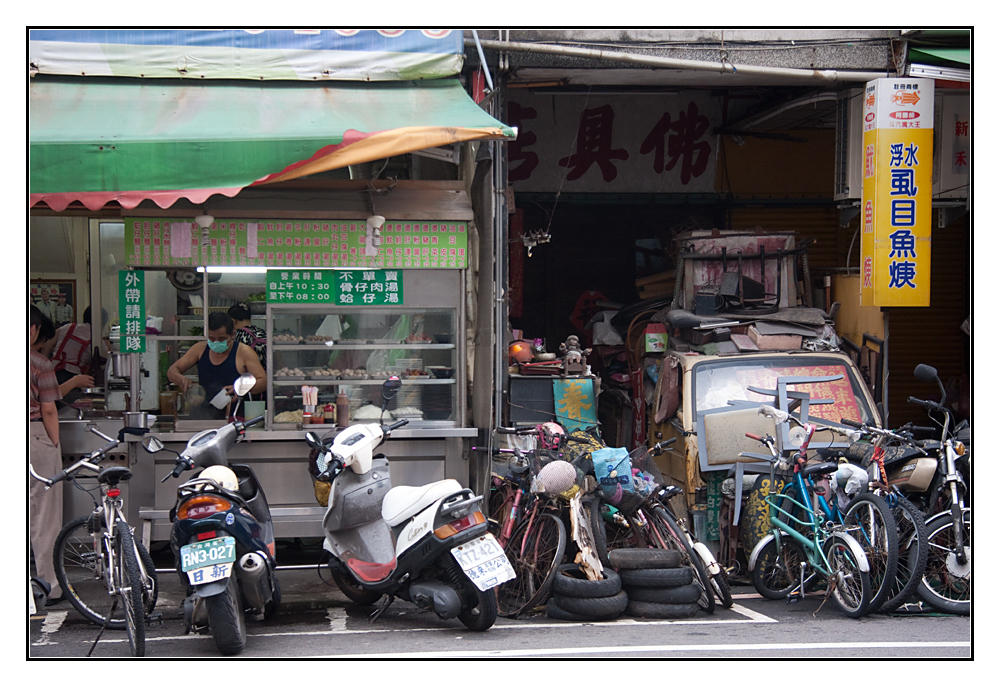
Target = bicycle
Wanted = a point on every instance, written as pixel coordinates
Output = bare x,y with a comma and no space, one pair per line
779,562
98,562
910,526
533,537
648,522
868,517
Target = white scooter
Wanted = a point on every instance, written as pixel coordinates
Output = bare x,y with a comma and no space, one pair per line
427,545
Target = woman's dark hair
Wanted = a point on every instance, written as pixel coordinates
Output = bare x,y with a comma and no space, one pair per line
218,320
46,330
239,313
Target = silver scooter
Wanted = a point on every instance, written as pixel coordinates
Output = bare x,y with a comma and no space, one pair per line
427,545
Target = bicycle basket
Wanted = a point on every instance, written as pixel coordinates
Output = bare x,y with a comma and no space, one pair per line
642,460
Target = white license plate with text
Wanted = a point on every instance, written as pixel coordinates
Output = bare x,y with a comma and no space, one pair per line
208,561
484,562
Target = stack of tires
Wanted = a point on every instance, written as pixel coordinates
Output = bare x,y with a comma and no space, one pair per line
656,583
575,597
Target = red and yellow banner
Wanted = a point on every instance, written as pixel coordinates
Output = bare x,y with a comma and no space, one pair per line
896,192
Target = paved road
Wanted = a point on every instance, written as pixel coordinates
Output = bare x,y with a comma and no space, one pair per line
318,622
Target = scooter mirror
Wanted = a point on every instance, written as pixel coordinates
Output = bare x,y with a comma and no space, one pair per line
390,388
243,385
313,440
925,373
152,444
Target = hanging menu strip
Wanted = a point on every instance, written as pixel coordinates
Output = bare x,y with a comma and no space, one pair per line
403,244
336,287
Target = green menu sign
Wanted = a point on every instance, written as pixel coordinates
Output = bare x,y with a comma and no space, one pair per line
336,287
404,244
132,311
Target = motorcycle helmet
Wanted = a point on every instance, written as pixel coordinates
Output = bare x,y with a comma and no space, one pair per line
222,476
551,435
555,478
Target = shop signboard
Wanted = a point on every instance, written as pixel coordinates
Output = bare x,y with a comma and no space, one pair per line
132,311
405,244
898,146
598,143
335,287
285,54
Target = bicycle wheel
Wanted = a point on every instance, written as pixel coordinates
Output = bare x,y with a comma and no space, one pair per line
913,547
870,521
535,551
947,584
776,571
81,564
129,587
151,585
500,503
720,585
852,587
665,533
593,512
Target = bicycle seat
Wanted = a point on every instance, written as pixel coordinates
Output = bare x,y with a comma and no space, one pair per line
114,474
819,469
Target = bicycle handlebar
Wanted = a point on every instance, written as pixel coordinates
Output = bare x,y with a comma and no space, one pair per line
516,430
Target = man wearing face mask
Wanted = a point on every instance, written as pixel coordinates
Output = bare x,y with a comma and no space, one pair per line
220,360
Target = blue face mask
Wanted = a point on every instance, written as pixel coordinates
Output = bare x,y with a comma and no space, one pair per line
218,346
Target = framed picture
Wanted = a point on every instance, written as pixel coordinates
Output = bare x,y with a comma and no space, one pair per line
56,298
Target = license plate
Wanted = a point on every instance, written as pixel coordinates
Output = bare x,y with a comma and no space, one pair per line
484,562
208,561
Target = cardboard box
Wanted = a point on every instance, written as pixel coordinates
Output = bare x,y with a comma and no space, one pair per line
775,342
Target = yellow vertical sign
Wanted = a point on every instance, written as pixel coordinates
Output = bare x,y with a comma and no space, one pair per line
898,158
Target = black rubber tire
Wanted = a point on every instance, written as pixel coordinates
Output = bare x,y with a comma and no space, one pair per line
552,610
687,594
78,559
879,538
664,577
597,526
480,616
645,609
913,548
644,559
151,589
536,568
130,586
940,587
776,572
226,620
854,593
668,534
572,581
720,585
601,608
353,591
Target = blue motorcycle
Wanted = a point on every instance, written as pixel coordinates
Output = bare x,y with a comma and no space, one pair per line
222,535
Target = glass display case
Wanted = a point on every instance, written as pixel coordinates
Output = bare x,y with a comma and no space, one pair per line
354,350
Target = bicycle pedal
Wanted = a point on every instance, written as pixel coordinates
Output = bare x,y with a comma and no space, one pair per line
155,617
793,598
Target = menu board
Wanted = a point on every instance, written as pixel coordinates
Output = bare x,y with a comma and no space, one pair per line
284,243
339,287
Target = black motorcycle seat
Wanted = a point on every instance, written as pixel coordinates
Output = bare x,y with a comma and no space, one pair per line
819,468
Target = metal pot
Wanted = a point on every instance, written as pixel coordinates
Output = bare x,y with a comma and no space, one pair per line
121,365
140,420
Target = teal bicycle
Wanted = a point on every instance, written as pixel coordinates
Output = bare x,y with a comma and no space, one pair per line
805,545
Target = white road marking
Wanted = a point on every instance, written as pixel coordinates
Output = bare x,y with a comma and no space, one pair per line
53,621
798,647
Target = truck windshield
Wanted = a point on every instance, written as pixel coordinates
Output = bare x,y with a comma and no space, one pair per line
718,382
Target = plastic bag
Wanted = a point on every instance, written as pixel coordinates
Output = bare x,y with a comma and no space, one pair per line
613,470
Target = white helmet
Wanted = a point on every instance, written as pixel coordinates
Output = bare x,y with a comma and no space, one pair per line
554,478
222,476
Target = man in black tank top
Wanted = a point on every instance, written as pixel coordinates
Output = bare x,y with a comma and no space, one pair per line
220,361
